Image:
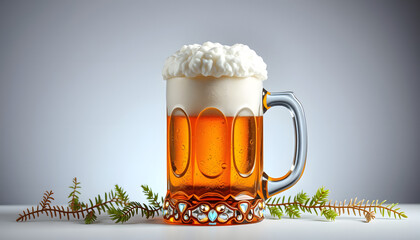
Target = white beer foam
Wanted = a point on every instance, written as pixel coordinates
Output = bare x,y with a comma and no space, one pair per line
215,60
227,94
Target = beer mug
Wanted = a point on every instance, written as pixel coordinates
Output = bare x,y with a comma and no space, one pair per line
215,105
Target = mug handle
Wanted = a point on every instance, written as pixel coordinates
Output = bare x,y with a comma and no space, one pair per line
272,186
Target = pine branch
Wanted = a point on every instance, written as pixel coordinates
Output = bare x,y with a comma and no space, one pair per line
133,208
121,194
278,206
329,214
90,217
77,209
320,197
109,202
152,198
66,212
74,202
274,211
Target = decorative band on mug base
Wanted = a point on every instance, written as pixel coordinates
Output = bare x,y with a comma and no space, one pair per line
227,212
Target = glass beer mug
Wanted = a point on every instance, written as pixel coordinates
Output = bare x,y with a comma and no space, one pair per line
215,106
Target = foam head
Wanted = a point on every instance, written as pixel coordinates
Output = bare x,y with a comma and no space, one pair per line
228,78
215,60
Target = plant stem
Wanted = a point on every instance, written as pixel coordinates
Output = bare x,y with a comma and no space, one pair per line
61,211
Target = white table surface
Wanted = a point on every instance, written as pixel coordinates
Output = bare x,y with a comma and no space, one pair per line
307,227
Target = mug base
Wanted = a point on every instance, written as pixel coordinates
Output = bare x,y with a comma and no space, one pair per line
212,212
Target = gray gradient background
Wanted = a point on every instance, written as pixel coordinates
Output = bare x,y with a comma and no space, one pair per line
81,92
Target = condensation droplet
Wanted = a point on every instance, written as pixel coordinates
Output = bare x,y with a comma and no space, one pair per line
224,165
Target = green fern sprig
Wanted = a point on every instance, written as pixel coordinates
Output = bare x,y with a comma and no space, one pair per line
104,204
90,217
320,205
133,208
320,197
99,204
121,194
275,212
152,198
74,202
77,209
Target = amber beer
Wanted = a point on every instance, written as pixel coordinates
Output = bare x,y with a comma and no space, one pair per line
214,157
